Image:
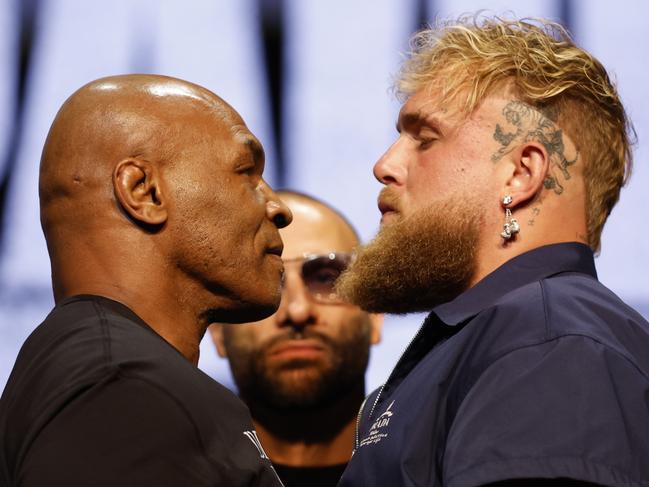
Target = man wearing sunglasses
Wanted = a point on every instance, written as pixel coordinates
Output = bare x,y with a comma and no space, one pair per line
301,371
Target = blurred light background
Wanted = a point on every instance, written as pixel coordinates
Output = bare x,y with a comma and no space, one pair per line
312,80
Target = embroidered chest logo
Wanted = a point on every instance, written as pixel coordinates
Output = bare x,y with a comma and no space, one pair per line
378,431
252,436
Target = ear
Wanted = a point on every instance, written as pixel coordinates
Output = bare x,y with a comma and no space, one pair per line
376,326
530,165
216,331
137,188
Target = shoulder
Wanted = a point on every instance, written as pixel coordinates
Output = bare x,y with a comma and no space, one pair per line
557,408
146,427
558,370
93,377
569,304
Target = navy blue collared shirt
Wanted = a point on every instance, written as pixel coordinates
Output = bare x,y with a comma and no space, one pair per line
538,371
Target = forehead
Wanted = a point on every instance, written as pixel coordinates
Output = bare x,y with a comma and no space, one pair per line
219,130
227,121
424,104
243,136
315,229
429,106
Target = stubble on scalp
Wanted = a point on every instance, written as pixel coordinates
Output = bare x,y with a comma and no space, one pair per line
416,262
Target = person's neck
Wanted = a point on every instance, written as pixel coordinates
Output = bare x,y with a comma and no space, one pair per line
158,302
314,437
493,252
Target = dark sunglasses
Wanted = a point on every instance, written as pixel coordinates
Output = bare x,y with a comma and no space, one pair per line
319,273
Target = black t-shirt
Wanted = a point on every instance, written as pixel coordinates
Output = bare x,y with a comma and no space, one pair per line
97,398
310,476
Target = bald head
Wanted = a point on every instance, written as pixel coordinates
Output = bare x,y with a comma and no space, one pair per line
145,176
315,221
152,194
112,119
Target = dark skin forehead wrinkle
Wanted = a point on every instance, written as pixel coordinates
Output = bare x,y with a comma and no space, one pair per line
255,148
251,144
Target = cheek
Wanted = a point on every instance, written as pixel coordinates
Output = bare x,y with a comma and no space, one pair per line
462,172
250,209
426,188
346,324
242,338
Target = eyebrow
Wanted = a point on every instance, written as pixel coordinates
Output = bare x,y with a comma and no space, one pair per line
409,119
255,148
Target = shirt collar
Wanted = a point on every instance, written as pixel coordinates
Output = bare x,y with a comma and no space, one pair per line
111,304
531,266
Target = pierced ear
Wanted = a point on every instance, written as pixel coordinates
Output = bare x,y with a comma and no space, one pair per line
137,188
376,326
216,332
531,163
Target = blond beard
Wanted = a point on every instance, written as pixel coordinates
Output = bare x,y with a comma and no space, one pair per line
416,262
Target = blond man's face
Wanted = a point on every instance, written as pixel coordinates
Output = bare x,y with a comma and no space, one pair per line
439,153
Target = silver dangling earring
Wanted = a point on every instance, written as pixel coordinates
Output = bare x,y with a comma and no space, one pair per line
511,226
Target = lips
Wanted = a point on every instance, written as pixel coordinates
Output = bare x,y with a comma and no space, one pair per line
388,212
385,207
288,349
275,249
388,203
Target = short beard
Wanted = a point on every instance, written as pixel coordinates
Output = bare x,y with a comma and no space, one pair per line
416,262
302,384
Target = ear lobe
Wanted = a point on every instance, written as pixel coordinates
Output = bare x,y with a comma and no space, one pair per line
376,326
531,165
137,188
216,332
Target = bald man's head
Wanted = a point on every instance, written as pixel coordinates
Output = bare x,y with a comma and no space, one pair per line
161,174
108,120
313,209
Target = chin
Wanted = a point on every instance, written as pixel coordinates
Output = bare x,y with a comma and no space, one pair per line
248,310
251,297
253,313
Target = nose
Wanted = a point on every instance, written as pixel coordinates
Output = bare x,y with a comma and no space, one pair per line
297,309
390,168
276,210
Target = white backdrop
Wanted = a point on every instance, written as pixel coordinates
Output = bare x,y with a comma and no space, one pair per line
338,113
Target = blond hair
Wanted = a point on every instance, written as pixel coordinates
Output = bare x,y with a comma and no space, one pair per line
471,57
